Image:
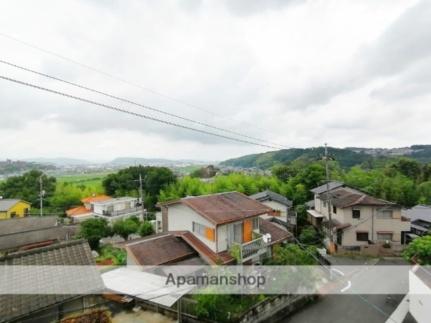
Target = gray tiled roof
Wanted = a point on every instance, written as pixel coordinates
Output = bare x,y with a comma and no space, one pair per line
270,195
422,212
6,204
322,188
71,253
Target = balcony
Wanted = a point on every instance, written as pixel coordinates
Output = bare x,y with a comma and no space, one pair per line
246,251
134,210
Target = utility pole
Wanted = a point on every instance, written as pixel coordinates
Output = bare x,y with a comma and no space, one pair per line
41,194
328,202
141,194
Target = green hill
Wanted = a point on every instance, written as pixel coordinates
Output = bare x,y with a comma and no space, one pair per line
347,157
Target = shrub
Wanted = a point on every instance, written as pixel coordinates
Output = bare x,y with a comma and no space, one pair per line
419,250
146,229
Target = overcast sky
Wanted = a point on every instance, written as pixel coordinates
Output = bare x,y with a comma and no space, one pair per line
295,72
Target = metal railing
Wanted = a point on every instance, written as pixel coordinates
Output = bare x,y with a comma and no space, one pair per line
122,212
253,248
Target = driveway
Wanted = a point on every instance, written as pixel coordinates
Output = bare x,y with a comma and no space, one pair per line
351,308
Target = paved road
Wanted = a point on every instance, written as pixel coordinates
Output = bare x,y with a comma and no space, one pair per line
351,308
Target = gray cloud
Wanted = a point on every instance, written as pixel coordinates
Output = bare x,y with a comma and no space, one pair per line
249,7
405,43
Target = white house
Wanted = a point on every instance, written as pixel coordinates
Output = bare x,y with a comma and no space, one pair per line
214,224
106,207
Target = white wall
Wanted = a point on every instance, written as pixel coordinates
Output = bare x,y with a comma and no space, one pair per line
420,299
181,217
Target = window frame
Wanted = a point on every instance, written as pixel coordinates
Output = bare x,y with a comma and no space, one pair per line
353,213
388,233
362,232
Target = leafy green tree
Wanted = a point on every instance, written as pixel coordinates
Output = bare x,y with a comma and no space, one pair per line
93,230
293,255
125,182
284,172
419,250
66,196
146,229
26,187
408,167
125,227
309,235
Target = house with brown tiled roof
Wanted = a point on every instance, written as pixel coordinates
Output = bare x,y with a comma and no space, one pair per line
215,224
358,219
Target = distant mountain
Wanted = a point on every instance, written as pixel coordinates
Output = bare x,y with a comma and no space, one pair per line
347,157
130,161
15,167
60,161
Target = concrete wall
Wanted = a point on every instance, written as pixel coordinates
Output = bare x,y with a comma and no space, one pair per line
420,299
181,217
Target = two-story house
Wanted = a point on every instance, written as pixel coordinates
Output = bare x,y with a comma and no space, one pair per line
224,221
358,219
106,207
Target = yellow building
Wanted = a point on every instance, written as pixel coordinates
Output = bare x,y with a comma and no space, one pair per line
13,208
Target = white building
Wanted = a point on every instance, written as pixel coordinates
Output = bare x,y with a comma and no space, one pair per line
106,207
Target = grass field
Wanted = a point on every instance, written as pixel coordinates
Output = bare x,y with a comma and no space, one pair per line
92,181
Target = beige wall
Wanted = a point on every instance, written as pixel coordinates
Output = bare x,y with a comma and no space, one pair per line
369,221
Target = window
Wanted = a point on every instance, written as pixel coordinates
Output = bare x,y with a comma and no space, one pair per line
324,204
334,209
361,236
384,214
356,213
383,236
208,233
13,214
237,232
256,223
199,229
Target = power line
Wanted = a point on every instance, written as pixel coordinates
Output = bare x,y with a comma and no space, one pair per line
113,108
131,102
115,77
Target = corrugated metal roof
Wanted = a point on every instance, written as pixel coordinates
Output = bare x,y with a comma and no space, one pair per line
224,207
143,285
271,196
6,204
158,250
